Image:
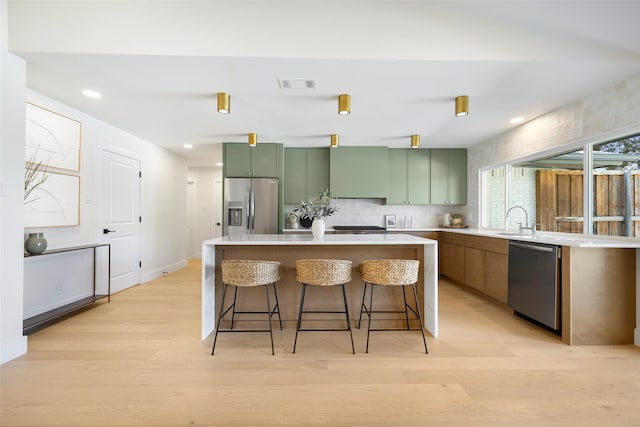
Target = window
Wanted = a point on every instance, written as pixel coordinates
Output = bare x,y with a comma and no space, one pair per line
616,187
551,190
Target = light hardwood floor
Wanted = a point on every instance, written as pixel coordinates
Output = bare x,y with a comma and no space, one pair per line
139,361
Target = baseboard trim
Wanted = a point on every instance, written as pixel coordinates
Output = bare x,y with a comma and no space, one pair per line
152,275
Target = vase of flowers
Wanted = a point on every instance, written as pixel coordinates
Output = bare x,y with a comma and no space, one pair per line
317,208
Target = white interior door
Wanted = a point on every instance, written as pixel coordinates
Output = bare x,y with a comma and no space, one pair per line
119,217
217,208
192,212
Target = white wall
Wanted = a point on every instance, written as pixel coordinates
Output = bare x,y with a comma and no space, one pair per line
12,96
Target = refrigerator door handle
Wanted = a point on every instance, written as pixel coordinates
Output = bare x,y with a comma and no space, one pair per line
248,206
252,209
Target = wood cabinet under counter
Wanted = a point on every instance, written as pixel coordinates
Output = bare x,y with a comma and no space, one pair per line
598,280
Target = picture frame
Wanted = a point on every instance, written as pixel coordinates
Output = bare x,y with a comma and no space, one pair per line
52,138
390,221
54,203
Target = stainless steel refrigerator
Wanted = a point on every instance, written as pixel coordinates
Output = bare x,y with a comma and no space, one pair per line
250,206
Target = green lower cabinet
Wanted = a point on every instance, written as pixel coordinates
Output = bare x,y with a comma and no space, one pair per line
306,172
359,172
409,177
448,176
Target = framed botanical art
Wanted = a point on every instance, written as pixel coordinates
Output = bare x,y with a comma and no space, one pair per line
54,202
52,139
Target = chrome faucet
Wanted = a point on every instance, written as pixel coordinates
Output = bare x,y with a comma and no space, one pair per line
526,221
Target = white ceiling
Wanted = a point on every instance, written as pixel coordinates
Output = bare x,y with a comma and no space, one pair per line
159,66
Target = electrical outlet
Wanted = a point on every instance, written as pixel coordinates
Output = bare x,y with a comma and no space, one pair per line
58,288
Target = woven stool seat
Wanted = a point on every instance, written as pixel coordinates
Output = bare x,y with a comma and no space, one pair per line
245,273
390,272
323,273
249,272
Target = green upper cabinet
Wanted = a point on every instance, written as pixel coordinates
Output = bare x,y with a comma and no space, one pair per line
359,172
306,173
448,176
409,176
264,160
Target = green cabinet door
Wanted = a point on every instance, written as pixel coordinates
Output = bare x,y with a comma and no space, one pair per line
237,160
397,194
418,176
295,182
317,177
262,161
409,177
448,176
267,160
306,173
359,172
457,177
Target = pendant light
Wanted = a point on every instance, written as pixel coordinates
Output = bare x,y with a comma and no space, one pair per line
462,106
344,104
415,141
224,103
253,139
334,140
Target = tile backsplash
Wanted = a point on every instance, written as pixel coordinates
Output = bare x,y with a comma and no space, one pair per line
373,211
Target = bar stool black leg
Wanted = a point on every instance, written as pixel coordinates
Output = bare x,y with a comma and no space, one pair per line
215,338
370,315
295,342
233,313
415,295
362,306
270,313
406,312
346,312
275,292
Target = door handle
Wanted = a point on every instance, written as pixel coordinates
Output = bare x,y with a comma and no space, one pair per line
106,231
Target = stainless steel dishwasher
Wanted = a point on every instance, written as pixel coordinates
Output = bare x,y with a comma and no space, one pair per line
534,282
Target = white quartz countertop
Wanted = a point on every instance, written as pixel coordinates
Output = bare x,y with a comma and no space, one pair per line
328,239
553,238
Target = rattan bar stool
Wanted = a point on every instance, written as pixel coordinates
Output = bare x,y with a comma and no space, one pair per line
245,273
323,272
390,272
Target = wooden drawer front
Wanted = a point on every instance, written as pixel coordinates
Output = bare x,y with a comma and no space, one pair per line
488,243
453,238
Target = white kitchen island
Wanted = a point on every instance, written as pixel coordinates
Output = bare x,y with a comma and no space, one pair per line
287,248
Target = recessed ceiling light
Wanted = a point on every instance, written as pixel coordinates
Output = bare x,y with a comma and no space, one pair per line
219,164
516,120
91,94
188,146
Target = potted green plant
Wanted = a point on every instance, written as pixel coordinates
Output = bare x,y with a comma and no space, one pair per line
316,209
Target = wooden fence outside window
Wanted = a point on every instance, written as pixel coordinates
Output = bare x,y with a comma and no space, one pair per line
559,202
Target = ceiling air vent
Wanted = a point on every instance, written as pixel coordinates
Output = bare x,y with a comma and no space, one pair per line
296,84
